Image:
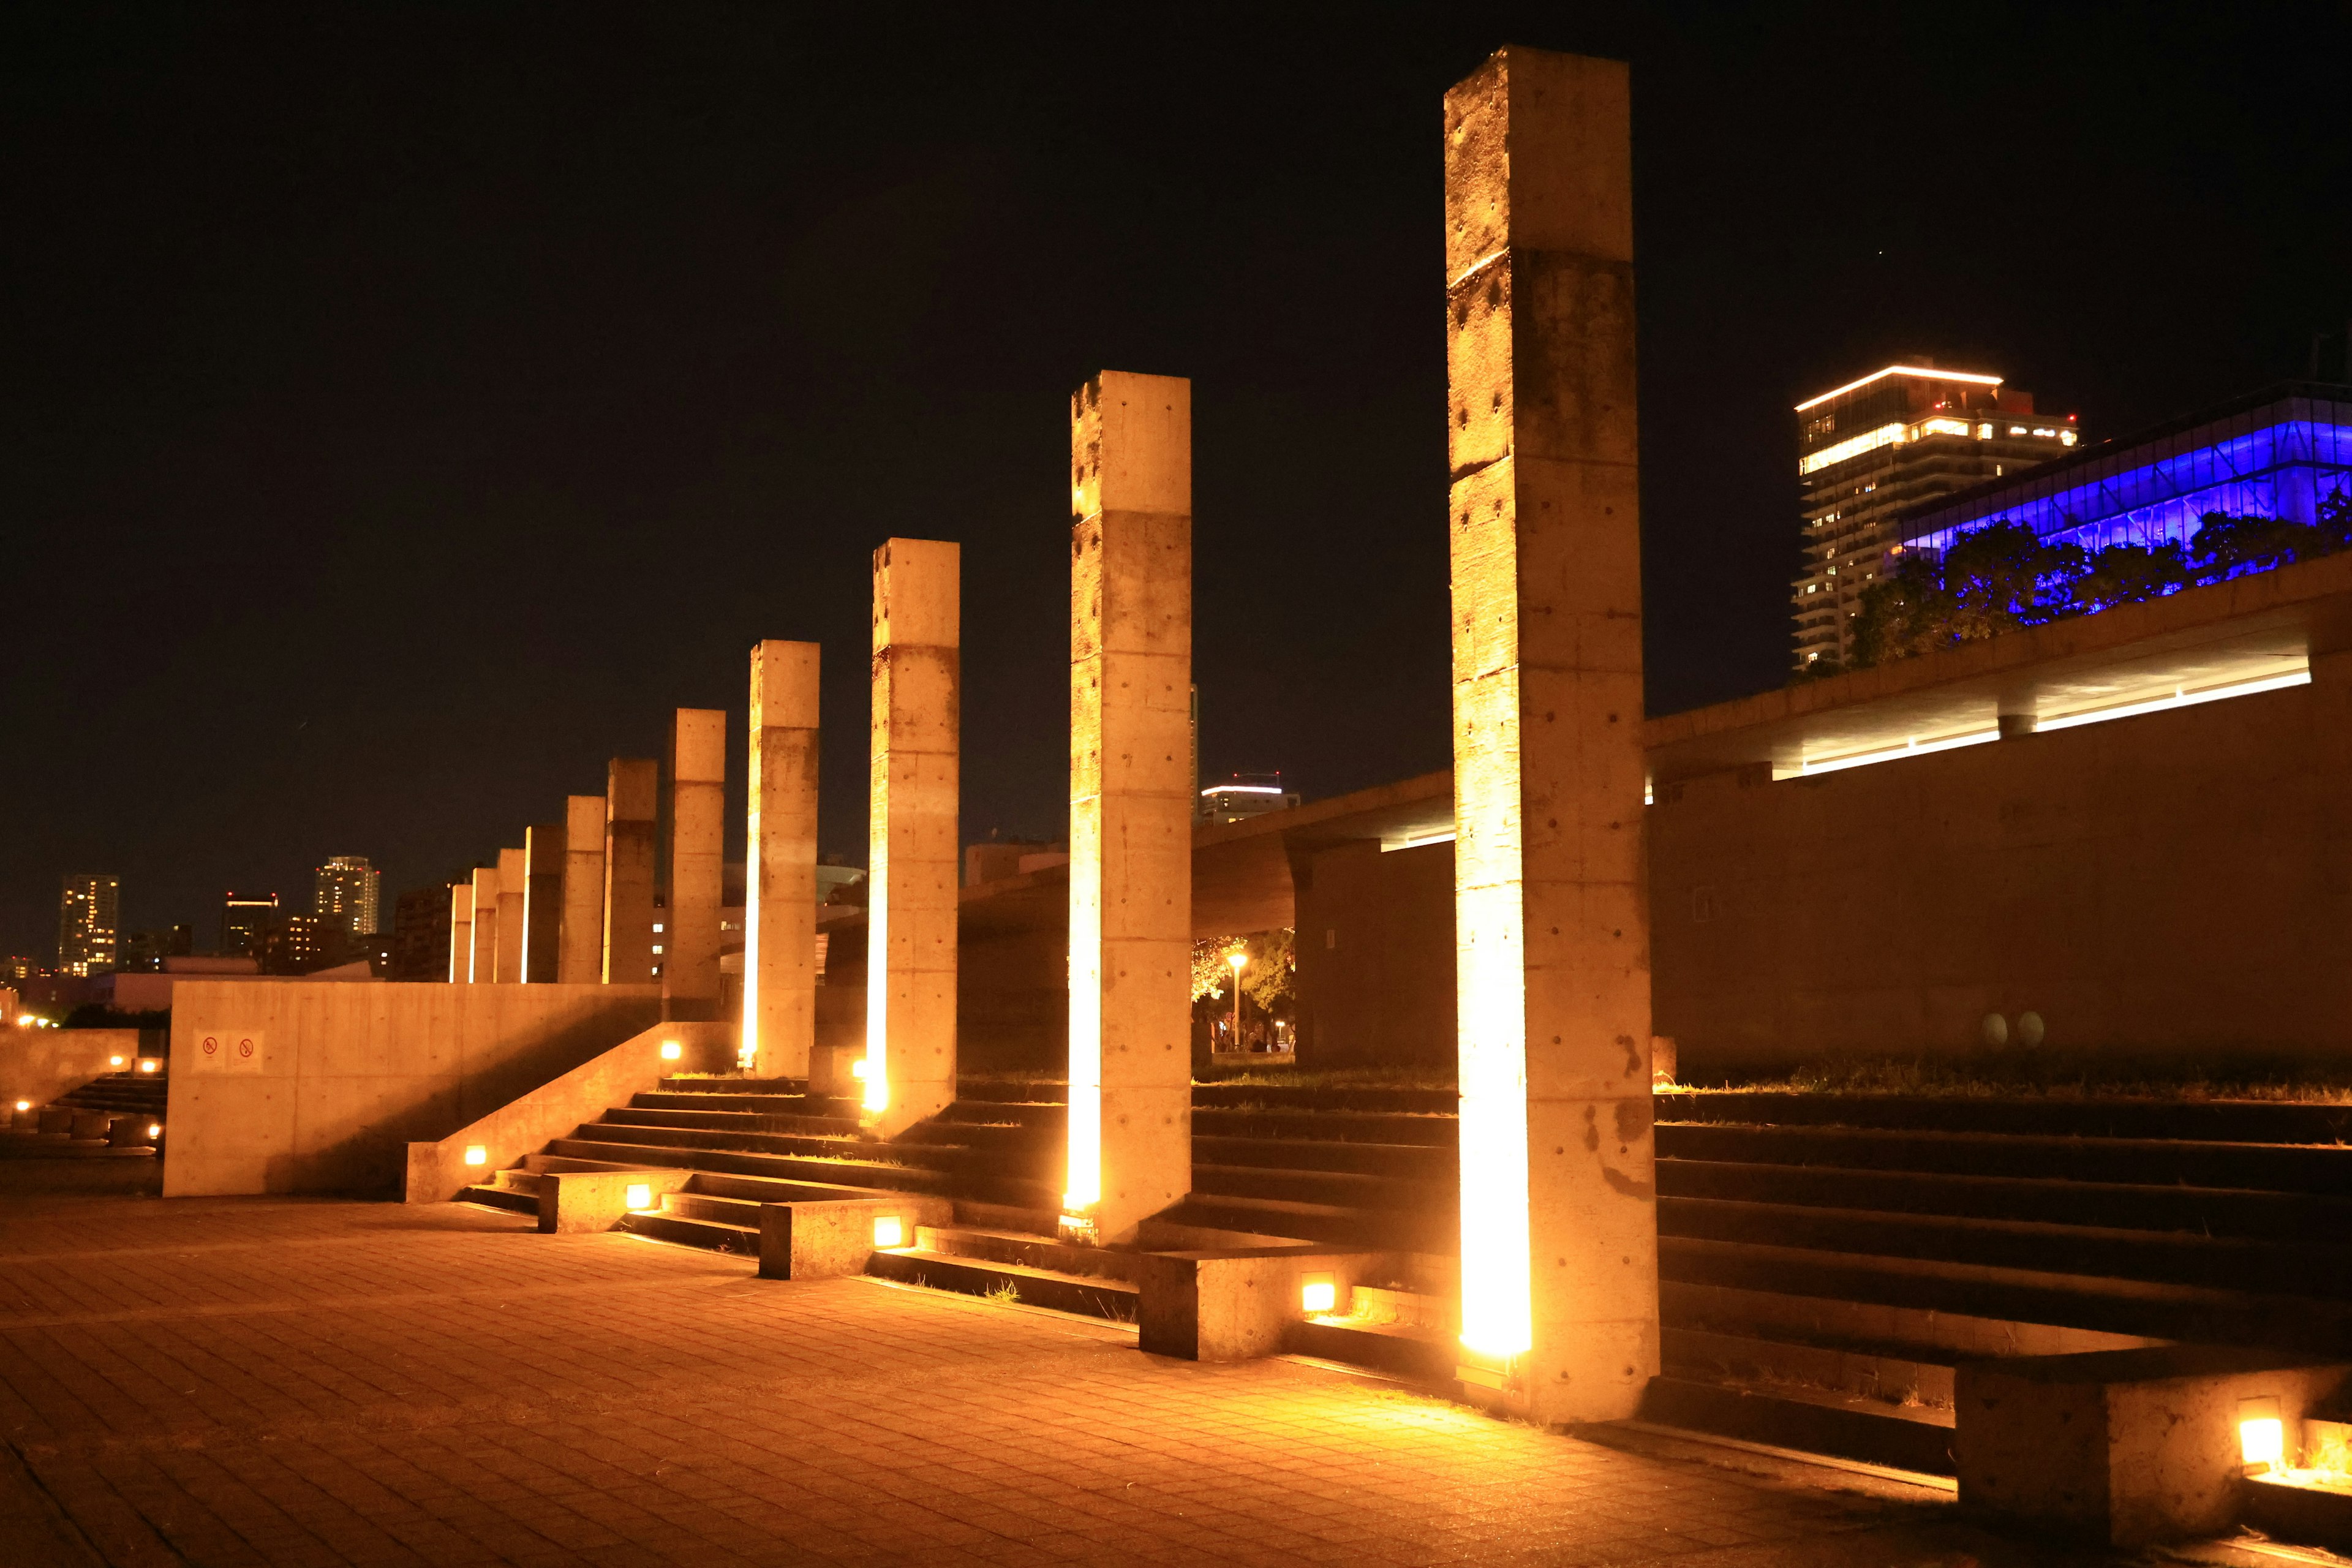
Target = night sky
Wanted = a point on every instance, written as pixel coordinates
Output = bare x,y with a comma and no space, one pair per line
407,407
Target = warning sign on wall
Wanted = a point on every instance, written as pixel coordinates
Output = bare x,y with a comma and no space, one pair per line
229,1050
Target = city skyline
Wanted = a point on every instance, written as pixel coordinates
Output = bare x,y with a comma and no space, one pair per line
684,462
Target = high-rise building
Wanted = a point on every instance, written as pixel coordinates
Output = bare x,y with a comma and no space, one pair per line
1244,796
1892,441
346,889
420,933
296,945
245,919
87,910
143,952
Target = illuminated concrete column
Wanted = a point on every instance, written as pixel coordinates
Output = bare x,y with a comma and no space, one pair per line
482,961
1131,1151
698,827
507,970
1559,1209
543,860
915,785
632,791
780,890
580,939
461,932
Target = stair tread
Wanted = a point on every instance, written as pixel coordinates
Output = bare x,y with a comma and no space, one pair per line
1016,1270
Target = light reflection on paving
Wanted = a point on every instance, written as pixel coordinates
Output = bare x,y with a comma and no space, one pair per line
264,1381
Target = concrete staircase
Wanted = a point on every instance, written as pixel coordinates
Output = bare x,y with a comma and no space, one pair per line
109,1116
1826,1260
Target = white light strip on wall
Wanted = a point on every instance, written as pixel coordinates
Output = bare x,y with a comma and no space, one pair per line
2181,697
1911,748
1444,838
1970,376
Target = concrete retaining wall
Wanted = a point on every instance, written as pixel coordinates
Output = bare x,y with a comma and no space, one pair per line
39,1065
340,1078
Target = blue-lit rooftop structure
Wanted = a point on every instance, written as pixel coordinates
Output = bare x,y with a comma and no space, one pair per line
2276,453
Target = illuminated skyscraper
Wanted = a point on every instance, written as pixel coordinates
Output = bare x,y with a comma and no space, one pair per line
346,889
88,909
245,923
1874,448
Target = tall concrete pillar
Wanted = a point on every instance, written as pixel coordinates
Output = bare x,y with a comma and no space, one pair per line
461,932
632,791
698,829
1130,1151
580,937
508,969
780,876
482,962
1559,1274
543,861
915,783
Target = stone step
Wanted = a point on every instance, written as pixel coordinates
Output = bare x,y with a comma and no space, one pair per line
731,1083
1892,1374
756,1189
526,1181
1024,1091
1028,1249
711,1236
798,1106
2224,1122
726,1121
1818,1421
1942,1336
1385,1230
616,1127
496,1197
743,1214
1406,1161
1091,1296
793,1167
1036,1118
2148,1162
1339,1188
1296,1097
2218,1212
2157,1309
2222,1262
1394,1348
1327,1126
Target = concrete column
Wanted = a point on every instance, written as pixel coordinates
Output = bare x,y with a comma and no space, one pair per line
631,790
482,961
1559,1296
915,783
508,969
543,858
580,939
1131,801
780,878
461,932
698,827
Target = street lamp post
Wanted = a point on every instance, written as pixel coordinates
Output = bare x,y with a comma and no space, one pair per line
1238,960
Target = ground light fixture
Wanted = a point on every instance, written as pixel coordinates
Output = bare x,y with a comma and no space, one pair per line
24,1105
477,1155
149,1063
154,1130
1319,1293
672,1051
2262,1435
889,1231
640,1197
114,1061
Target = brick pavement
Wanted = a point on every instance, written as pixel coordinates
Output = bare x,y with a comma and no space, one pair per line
256,1381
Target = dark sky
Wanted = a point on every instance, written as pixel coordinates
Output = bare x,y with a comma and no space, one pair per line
404,408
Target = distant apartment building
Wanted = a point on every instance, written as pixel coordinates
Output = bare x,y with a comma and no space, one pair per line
296,945
89,909
245,923
1888,444
420,933
345,890
1245,796
143,952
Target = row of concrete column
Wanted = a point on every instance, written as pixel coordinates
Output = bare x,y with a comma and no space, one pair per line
1559,1235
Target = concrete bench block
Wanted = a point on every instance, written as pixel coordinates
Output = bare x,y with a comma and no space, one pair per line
2123,1446
574,1200
1235,1304
93,1124
828,1238
129,1132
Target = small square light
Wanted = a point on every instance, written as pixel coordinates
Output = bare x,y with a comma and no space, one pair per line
640,1195
1319,1293
114,1061
2262,1435
24,1105
477,1155
672,1051
149,1063
890,1230
858,1068
154,1130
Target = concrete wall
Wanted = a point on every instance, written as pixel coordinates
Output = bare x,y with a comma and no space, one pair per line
39,1065
2176,881
1375,945
342,1077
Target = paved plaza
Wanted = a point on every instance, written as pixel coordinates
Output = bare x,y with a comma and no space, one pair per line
259,1380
